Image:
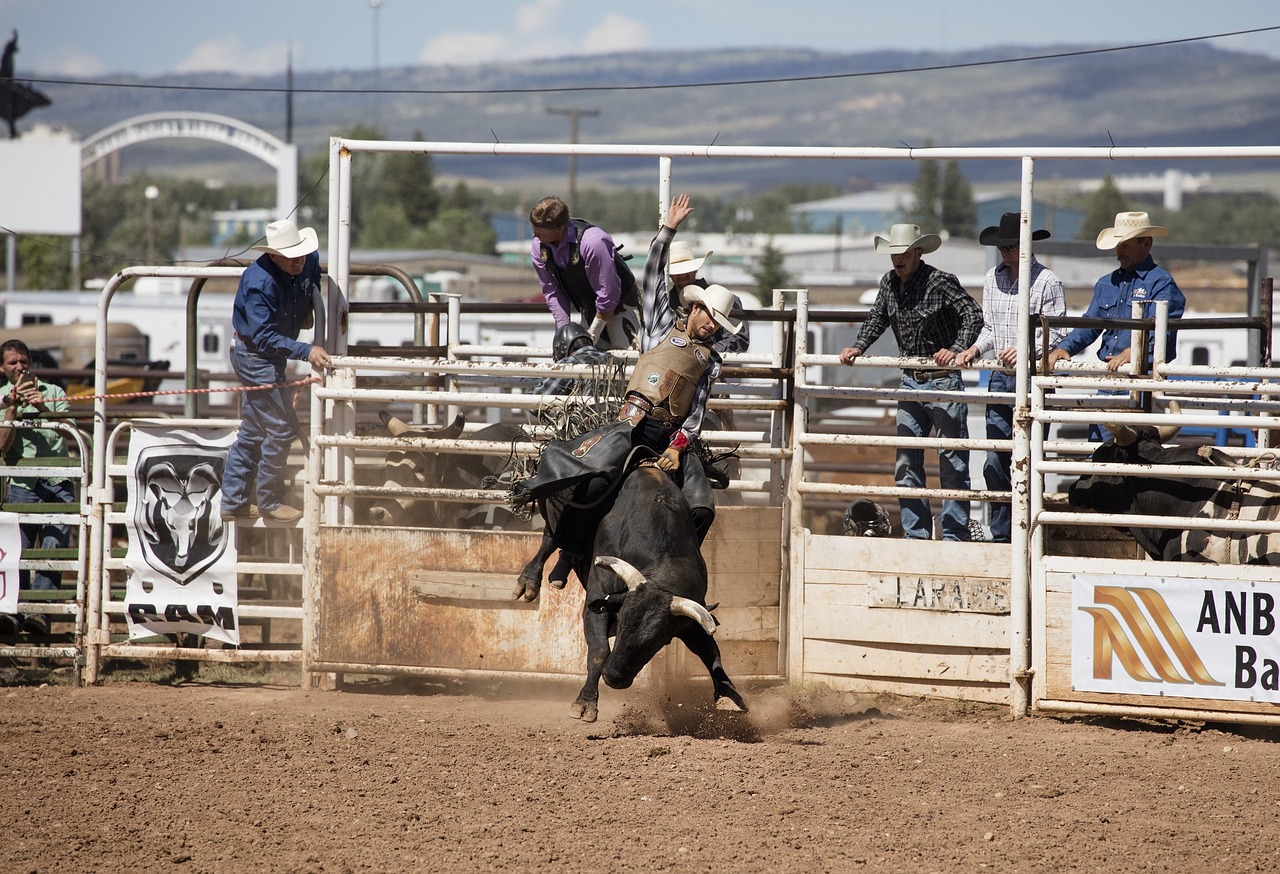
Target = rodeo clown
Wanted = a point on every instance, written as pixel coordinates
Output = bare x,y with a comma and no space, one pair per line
660,417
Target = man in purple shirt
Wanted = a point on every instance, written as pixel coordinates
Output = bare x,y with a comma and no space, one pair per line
580,270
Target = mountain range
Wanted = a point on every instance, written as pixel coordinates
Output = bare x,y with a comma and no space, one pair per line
1071,96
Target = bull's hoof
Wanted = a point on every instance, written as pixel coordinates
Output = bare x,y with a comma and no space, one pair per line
526,590
728,705
584,711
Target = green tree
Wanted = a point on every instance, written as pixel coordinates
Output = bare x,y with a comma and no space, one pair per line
461,230
956,211
769,271
1102,208
45,261
926,193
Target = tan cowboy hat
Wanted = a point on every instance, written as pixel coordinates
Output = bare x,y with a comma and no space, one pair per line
1129,225
681,260
719,302
903,238
284,239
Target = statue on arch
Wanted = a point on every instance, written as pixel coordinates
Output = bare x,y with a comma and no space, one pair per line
16,99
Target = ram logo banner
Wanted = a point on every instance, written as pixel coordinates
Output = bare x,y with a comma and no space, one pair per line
10,550
1213,639
181,558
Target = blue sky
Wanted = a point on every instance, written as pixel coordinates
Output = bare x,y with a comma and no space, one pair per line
96,38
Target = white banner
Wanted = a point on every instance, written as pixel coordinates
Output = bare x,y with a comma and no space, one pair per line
10,552
1213,639
181,558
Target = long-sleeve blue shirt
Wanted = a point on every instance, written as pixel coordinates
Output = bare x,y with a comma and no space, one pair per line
271,307
1113,297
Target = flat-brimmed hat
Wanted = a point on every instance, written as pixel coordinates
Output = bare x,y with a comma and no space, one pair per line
719,302
903,238
284,239
1129,225
681,260
1006,233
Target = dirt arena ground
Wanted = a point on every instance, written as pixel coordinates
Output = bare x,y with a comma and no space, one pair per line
424,776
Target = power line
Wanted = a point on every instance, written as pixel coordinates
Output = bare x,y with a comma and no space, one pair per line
657,87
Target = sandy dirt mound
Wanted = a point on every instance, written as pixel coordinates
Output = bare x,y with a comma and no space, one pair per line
400,776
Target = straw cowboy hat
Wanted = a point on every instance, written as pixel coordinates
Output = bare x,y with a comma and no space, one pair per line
1006,233
681,260
284,239
903,238
719,302
1129,225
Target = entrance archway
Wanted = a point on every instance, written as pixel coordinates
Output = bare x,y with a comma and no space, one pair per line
205,126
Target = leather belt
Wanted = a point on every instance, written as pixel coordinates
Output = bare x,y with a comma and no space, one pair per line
926,375
245,343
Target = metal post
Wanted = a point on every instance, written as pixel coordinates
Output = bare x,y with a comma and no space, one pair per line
793,560
1020,471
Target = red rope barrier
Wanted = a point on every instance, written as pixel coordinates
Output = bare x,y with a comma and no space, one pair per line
196,391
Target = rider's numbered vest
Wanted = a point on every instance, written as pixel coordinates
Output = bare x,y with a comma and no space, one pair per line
668,373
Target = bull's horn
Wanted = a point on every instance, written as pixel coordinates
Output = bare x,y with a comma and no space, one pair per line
625,570
399,428
1167,432
695,611
1122,434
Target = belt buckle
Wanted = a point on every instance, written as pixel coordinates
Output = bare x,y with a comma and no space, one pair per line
632,413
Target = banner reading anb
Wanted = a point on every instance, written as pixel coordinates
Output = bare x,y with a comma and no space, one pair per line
182,558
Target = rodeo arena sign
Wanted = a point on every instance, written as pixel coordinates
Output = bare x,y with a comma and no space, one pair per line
410,544
182,557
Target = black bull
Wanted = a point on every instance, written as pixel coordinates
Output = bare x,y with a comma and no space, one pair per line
1221,493
646,585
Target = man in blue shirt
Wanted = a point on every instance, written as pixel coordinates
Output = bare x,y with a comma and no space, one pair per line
273,305
1137,280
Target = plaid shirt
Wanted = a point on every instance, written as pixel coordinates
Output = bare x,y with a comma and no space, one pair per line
655,279
932,312
1000,307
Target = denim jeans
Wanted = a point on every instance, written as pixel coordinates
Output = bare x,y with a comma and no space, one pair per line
996,468
43,535
920,419
255,465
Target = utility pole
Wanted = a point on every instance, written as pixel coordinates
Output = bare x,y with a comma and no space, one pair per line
574,113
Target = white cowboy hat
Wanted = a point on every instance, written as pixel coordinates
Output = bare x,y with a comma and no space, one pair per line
1129,225
284,239
719,302
681,259
903,238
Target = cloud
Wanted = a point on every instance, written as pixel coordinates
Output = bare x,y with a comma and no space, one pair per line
65,62
539,30
464,48
538,16
616,33
229,54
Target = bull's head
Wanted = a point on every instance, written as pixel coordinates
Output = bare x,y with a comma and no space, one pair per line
645,617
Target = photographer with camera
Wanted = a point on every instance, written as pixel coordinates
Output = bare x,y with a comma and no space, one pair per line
25,398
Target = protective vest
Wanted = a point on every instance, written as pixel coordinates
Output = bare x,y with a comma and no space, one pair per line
572,278
667,374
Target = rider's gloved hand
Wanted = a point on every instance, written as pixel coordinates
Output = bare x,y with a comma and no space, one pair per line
669,460
596,329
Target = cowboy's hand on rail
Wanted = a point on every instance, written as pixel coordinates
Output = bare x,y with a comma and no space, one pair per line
1056,355
1120,359
849,353
318,358
669,460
